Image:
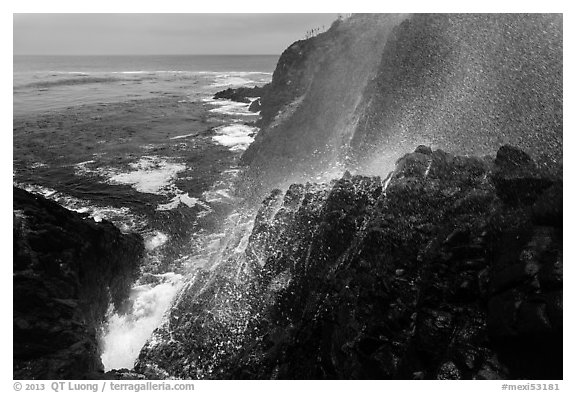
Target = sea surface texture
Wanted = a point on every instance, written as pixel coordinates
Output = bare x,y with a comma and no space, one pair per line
138,141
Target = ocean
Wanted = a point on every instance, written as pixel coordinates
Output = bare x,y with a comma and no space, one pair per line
43,83
139,141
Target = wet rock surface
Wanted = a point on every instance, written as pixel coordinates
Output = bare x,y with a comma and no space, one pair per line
67,270
440,271
242,94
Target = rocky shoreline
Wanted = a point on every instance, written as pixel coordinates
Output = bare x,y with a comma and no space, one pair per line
436,264
67,269
246,95
451,268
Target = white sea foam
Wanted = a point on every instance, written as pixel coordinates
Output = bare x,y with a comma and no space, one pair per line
36,165
131,72
231,79
33,188
70,72
121,216
148,147
81,168
235,136
183,198
232,172
238,78
228,107
155,240
220,196
151,174
126,334
234,73
183,136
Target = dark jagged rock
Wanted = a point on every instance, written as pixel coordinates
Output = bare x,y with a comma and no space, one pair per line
67,270
315,86
255,106
516,177
241,94
423,150
511,158
430,274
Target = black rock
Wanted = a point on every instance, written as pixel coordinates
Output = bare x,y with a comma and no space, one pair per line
422,149
517,177
67,270
435,278
547,210
255,106
241,94
510,158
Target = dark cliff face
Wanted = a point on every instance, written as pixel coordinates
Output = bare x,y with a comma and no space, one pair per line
308,110
372,87
450,268
67,270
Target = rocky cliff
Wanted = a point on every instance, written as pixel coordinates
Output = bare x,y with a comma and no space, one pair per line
308,111
67,270
449,268
374,86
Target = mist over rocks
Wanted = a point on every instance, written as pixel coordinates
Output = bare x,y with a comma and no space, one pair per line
441,263
399,215
428,273
373,86
68,269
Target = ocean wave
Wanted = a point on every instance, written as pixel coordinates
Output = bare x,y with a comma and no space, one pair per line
184,136
185,199
132,72
122,217
83,80
150,174
69,72
228,107
81,168
234,72
238,79
235,136
218,196
154,240
36,165
125,334
228,80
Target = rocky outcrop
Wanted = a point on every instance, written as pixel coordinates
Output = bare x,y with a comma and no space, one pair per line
241,94
255,106
374,86
313,96
68,269
450,268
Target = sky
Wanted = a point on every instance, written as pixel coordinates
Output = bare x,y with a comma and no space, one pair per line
151,34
